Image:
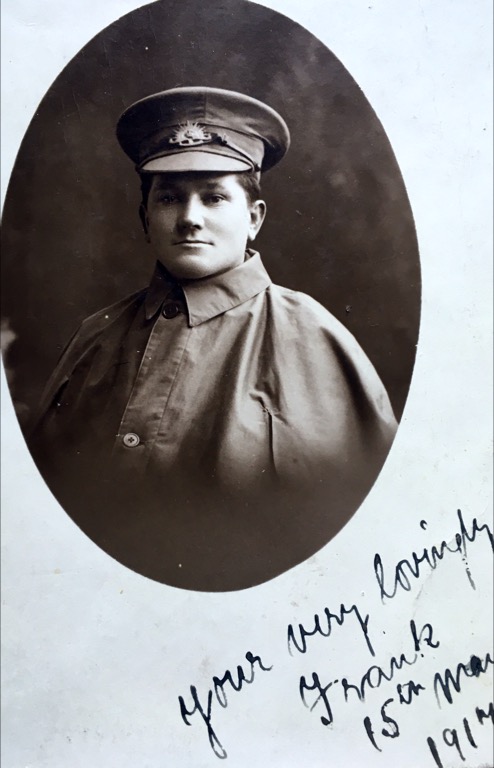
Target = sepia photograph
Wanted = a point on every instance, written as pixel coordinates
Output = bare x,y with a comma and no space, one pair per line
221,425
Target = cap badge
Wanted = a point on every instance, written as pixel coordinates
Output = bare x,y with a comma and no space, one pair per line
190,134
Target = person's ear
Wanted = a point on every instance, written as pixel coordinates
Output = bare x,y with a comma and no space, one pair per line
143,215
257,216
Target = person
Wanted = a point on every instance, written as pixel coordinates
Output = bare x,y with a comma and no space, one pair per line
214,429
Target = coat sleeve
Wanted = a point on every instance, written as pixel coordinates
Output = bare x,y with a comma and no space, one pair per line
80,343
59,377
333,423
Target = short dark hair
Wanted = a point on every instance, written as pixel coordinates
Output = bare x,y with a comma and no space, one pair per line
247,180
251,185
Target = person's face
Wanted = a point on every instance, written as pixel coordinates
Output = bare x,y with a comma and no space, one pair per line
199,222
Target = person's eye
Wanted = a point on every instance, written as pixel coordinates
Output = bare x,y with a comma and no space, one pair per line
167,199
215,198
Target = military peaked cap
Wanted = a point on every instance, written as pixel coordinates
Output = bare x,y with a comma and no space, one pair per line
202,129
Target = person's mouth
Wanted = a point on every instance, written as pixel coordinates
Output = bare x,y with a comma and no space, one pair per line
192,242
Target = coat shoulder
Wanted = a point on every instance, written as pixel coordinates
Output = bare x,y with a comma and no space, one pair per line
94,324
327,348
306,314
100,319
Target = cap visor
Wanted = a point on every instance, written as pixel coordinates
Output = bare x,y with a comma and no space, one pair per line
194,160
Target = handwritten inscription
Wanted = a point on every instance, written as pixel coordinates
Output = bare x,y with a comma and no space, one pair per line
446,683
449,681
373,678
222,686
453,737
411,568
326,694
324,625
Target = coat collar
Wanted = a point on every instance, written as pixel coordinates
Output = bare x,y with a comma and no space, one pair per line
211,296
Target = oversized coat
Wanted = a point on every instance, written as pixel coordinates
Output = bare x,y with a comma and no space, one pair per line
213,434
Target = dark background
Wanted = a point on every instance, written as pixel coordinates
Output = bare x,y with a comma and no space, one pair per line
339,224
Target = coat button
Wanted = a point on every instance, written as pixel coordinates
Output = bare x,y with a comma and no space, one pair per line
170,310
130,440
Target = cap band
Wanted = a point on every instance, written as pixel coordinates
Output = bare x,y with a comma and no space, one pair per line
190,137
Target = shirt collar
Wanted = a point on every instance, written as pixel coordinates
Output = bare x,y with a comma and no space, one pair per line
210,296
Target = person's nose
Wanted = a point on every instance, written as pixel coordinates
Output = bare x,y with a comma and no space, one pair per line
191,214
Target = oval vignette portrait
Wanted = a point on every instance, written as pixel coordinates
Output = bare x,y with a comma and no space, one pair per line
211,293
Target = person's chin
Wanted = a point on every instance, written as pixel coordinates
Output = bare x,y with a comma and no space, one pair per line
191,266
